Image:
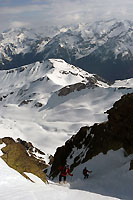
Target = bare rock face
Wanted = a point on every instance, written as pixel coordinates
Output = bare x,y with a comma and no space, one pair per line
121,121
71,88
114,134
78,86
19,156
25,102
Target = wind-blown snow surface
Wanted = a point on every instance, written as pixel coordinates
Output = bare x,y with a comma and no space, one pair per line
56,121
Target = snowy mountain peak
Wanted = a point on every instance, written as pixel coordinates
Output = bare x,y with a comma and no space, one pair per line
54,73
68,72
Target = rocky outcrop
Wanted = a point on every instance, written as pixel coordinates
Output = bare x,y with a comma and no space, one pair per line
35,152
38,104
77,87
71,88
114,134
25,102
121,121
20,156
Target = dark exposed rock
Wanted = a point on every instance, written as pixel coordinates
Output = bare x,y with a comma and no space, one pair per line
71,88
10,71
19,155
99,78
131,165
25,102
4,96
38,104
33,150
51,160
11,92
77,86
21,69
114,134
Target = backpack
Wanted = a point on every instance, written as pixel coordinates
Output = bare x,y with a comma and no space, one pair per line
64,169
84,172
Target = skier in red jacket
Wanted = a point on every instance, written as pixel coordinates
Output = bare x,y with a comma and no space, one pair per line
64,170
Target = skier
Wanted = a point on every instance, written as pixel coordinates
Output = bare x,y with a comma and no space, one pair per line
64,170
85,173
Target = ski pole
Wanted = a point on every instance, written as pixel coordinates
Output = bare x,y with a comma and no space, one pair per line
71,178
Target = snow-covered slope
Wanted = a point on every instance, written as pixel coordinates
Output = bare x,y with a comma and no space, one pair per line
14,186
34,108
101,185
27,90
128,83
110,175
41,79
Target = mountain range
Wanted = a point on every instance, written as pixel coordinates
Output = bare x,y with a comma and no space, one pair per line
55,110
103,47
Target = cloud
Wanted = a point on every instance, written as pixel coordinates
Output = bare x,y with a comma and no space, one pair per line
73,11
17,24
63,11
21,9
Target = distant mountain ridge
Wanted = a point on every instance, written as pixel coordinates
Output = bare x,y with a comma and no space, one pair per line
104,47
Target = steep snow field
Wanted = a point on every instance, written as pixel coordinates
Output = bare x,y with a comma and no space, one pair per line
14,186
110,175
101,185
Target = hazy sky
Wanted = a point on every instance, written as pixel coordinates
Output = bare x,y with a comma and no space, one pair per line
42,12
